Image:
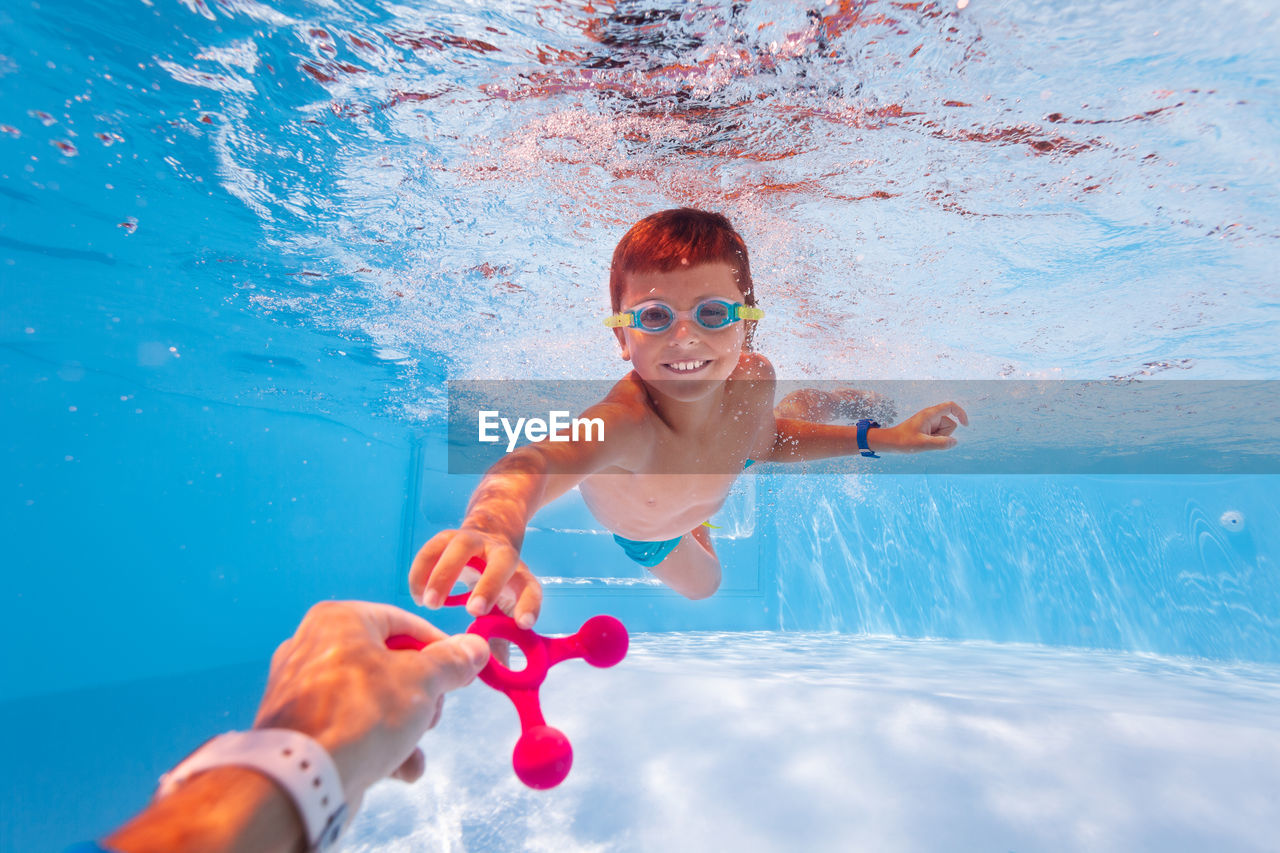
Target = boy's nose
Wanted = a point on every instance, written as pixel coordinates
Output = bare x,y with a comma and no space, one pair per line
683,332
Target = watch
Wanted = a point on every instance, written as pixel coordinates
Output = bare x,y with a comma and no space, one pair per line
864,425
293,760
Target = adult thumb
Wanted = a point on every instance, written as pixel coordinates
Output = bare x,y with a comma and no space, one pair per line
452,662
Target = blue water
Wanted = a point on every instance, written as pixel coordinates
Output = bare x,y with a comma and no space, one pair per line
243,245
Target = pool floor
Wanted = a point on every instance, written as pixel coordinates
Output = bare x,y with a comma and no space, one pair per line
778,742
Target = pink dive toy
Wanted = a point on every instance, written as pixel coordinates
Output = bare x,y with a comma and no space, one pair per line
542,756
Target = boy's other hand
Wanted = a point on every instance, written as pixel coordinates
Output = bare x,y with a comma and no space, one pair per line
506,581
927,429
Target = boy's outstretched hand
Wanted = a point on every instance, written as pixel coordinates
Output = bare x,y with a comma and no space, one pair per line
506,581
927,429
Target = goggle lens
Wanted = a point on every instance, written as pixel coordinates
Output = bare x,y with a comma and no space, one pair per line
655,318
713,315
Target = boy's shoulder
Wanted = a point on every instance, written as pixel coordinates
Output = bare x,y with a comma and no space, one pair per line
753,365
628,412
627,400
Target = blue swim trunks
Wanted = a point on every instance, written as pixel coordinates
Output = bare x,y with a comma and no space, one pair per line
649,554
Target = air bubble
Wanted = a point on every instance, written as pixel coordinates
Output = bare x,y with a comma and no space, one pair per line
1233,520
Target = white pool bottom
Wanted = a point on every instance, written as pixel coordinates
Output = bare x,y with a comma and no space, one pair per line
769,742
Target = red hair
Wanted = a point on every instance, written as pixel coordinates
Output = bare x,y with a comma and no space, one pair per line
682,237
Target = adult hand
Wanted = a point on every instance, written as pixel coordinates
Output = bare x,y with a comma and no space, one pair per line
506,582
336,681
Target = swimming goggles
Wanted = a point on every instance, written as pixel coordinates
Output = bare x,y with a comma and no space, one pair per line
654,317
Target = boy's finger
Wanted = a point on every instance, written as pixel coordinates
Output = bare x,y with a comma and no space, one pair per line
948,408
425,560
447,569
500,563
529,601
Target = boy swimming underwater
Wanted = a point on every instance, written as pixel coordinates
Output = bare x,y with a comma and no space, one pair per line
679,428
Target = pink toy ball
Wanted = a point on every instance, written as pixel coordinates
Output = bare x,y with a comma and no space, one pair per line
542,757
604,641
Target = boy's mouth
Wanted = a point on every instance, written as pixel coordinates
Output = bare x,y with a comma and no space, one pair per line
686,367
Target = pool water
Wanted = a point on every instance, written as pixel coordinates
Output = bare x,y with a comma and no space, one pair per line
244,244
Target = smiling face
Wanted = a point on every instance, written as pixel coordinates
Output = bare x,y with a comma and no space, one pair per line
687,359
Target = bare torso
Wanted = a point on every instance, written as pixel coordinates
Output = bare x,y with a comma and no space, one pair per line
682,476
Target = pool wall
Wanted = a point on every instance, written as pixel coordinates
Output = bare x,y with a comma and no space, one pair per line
1170,565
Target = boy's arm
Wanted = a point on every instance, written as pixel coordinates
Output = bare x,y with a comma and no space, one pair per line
928,429
512,490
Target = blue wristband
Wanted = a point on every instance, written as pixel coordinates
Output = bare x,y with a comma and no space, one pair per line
87,847
864,425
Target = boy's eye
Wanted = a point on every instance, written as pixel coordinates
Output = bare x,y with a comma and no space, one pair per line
713,314
655,317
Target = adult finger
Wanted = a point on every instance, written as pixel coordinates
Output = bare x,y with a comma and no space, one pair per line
436,712
451,663
412,768
388,620
282,652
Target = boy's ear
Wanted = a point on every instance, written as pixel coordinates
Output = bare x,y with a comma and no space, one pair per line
622,342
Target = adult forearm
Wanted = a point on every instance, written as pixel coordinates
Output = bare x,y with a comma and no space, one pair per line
223,810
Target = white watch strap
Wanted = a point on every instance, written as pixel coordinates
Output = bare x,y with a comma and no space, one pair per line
299,764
